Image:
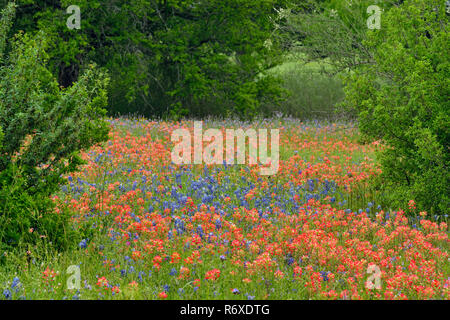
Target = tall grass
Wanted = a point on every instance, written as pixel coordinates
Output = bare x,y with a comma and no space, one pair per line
311,92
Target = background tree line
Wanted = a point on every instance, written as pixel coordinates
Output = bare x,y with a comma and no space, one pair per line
165,58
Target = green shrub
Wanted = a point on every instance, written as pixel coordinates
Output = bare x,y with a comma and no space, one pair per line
30,219
402,99
43,128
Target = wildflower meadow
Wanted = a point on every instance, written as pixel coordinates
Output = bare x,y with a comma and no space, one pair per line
164,231
206,151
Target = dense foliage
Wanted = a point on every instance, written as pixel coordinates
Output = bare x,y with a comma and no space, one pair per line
43,128
167,58
396,81
332,30
402,99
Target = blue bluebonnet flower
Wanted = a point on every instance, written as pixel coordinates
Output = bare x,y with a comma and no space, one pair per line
83,244
7,294
290,261
218,224
324,275
15,282
87,286
200,231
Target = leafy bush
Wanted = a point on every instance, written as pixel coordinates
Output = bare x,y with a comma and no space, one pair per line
43,128
30,219
402,99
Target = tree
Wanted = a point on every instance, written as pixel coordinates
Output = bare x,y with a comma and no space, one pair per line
172,57
402,99
43,127
334,30
396,83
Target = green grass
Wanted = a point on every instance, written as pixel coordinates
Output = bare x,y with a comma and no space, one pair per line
312,92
